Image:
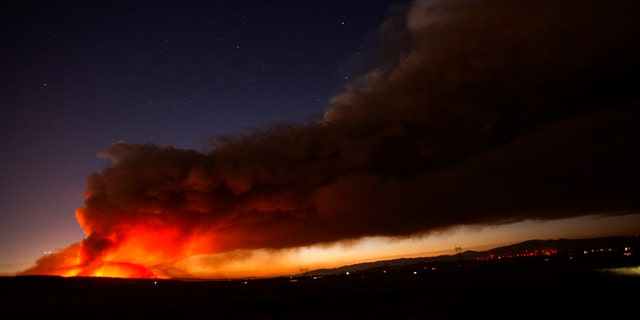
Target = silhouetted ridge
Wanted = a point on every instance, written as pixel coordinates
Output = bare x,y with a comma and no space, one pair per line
563,247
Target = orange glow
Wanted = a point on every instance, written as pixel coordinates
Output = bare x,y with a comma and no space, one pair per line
138,249
123,270
153,250
143,250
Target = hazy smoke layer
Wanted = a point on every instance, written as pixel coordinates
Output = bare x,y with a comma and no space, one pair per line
478,112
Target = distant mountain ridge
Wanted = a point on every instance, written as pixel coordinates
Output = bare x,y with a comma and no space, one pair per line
575,246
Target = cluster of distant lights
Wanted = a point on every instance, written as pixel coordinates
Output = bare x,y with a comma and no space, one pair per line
626,252
533,253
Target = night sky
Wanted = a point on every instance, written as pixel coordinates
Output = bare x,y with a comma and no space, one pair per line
251,125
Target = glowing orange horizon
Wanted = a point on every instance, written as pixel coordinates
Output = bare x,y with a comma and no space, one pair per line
148,251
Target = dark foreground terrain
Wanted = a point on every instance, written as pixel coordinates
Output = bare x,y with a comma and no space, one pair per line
453,290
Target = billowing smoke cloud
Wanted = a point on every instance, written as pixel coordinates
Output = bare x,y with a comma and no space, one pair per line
478,112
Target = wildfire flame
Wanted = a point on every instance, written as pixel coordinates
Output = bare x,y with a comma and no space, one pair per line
135,251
